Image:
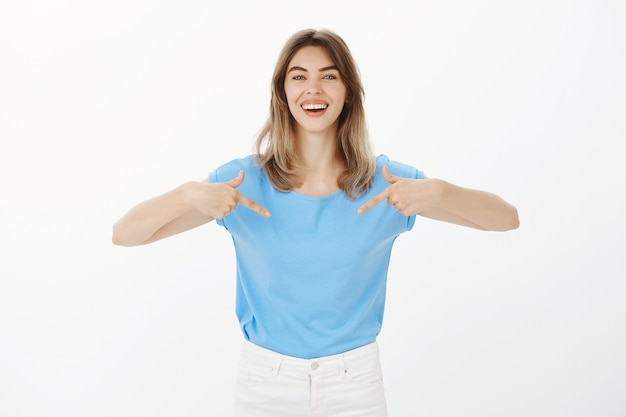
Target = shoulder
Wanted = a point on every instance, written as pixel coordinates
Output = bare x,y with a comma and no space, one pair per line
396,168
231,169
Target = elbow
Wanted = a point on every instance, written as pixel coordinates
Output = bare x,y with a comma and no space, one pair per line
515,223
504,221
118,238
512,220
115,239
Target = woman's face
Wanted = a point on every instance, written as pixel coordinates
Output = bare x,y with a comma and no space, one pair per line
315,91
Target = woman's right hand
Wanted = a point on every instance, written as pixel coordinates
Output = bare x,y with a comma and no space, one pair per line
217,200
189,205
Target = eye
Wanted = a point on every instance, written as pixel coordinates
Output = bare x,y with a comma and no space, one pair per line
298,77
330,77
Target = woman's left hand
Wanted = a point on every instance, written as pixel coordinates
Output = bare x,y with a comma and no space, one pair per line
409,196
440,200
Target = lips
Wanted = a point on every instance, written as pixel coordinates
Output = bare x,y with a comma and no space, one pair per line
314,107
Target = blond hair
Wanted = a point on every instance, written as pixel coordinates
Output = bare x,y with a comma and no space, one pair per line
275,144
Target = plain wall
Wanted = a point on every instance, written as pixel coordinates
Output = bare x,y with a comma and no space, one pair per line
105,104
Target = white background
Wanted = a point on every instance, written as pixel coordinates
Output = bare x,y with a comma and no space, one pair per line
105,104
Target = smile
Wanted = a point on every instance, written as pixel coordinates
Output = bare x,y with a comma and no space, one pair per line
314,107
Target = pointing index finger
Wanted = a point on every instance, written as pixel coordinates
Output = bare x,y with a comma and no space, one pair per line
252,205
373,201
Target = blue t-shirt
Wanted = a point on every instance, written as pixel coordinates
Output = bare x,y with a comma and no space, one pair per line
311,279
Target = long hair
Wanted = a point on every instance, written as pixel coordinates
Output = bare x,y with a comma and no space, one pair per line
275,144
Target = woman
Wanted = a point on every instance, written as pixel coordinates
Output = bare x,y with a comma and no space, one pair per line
311,275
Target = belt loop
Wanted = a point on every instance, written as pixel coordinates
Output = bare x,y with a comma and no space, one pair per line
276,368
342,365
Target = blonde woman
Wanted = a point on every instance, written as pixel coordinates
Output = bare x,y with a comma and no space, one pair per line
312,240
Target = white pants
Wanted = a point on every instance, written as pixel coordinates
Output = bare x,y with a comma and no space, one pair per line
346,385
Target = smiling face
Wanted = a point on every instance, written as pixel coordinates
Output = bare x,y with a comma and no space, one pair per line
315,91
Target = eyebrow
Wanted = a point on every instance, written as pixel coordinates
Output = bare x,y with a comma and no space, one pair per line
297,68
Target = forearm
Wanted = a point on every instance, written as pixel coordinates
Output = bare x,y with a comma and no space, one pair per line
140,224
475,208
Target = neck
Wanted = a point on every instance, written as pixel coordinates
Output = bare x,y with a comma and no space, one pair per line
317,150
322,163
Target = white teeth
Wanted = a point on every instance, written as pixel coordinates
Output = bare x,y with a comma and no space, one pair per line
314,106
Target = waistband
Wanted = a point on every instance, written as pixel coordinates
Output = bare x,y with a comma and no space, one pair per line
278,362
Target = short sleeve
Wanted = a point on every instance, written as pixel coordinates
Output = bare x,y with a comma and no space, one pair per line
400,169
214,177
227,172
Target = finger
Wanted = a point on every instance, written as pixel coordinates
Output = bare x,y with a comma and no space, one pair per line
252,205
373,201
236,182
388,176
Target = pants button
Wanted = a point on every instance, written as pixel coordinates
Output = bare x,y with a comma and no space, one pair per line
315,365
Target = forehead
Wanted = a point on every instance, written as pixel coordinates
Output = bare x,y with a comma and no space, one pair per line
311,57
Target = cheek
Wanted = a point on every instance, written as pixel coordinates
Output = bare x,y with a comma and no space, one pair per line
341,94
291,96
292,107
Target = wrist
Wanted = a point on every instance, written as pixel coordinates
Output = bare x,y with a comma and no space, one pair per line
185,195
440,191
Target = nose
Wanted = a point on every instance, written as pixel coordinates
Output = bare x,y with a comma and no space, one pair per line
314,87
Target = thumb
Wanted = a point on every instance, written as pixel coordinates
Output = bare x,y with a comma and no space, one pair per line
388,177
236,182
